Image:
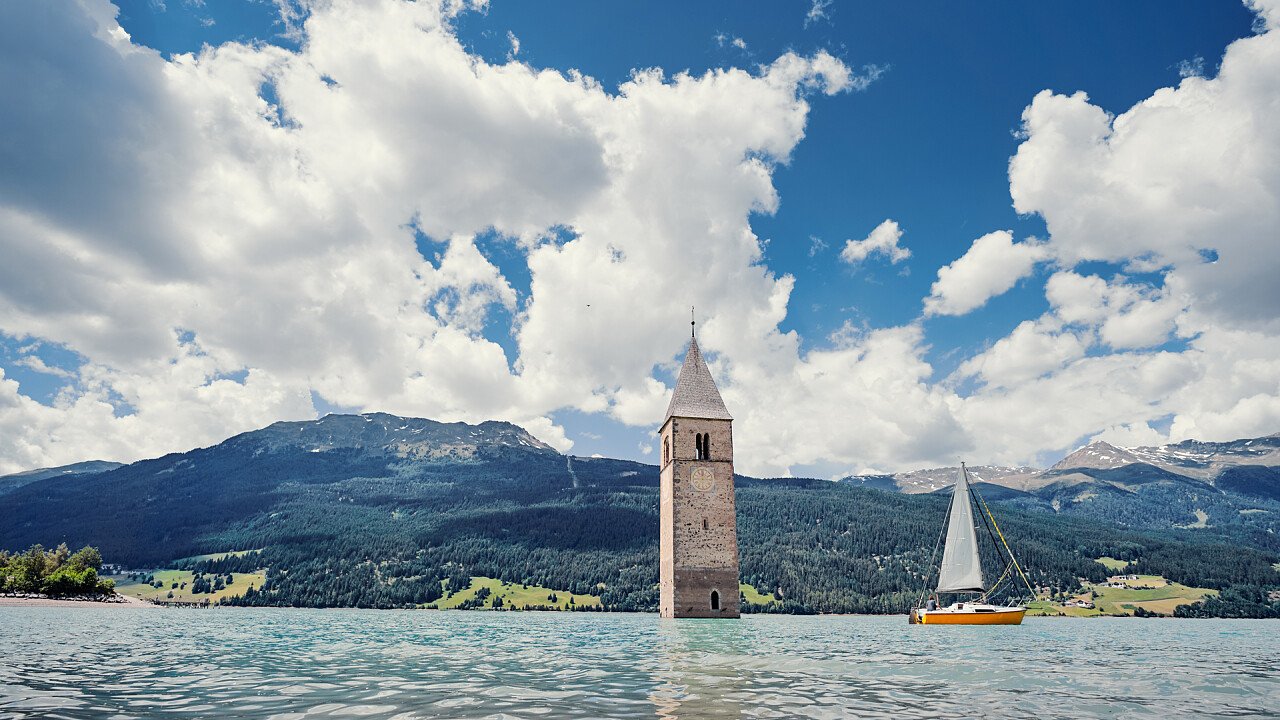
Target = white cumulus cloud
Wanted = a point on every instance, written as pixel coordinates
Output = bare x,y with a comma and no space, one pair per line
883,240
1185,181
992,265
1033,349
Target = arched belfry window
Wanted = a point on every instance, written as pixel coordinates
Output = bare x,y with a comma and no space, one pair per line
666,450
715,599
698,452
706,446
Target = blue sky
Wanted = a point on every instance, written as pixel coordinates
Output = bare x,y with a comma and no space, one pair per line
927,143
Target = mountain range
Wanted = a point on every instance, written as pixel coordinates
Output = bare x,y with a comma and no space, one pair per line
377,510
1188,484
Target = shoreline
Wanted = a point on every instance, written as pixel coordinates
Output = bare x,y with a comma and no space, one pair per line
124,601
127,601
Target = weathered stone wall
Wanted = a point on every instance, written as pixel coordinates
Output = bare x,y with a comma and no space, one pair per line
693,589
699,533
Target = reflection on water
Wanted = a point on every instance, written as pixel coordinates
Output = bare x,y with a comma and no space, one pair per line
697,673
104,662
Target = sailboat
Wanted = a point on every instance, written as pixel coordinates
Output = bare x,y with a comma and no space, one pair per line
961,570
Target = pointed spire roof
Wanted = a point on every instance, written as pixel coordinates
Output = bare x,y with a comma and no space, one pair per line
696,395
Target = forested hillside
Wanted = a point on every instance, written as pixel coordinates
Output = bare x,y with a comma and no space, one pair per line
376,511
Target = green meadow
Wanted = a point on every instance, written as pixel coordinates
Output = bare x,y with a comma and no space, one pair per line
176,586
755,597
484,593
1163,597
1152,593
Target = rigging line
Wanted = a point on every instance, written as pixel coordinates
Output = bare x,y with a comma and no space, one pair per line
1006,544
986,525
1009,550
925,590
1003,575
995,545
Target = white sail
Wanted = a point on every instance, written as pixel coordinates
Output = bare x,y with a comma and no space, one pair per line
961,569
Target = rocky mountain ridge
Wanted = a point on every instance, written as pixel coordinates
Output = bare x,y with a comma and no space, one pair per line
407,438
1176,485
88,467
1185,485
1103,462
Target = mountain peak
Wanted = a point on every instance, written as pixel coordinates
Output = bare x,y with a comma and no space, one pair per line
932,479
1100,455
403,436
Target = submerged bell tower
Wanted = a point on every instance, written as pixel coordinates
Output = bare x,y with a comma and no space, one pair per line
699,530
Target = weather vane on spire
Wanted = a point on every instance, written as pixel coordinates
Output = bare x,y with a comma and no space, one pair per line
693,322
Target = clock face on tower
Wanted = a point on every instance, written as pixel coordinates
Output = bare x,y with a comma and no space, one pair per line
702,479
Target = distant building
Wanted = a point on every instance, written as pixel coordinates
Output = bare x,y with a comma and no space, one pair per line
698,524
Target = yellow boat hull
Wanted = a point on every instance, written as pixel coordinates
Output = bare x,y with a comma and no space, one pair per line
1007,617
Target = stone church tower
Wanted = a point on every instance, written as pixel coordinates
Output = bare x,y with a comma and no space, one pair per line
699,529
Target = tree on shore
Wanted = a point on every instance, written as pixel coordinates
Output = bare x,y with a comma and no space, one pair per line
55,572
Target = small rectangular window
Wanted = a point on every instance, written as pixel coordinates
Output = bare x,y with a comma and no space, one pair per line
704,523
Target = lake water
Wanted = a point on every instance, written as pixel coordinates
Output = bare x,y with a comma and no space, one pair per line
120,662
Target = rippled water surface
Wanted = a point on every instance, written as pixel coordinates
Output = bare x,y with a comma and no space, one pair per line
119,662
